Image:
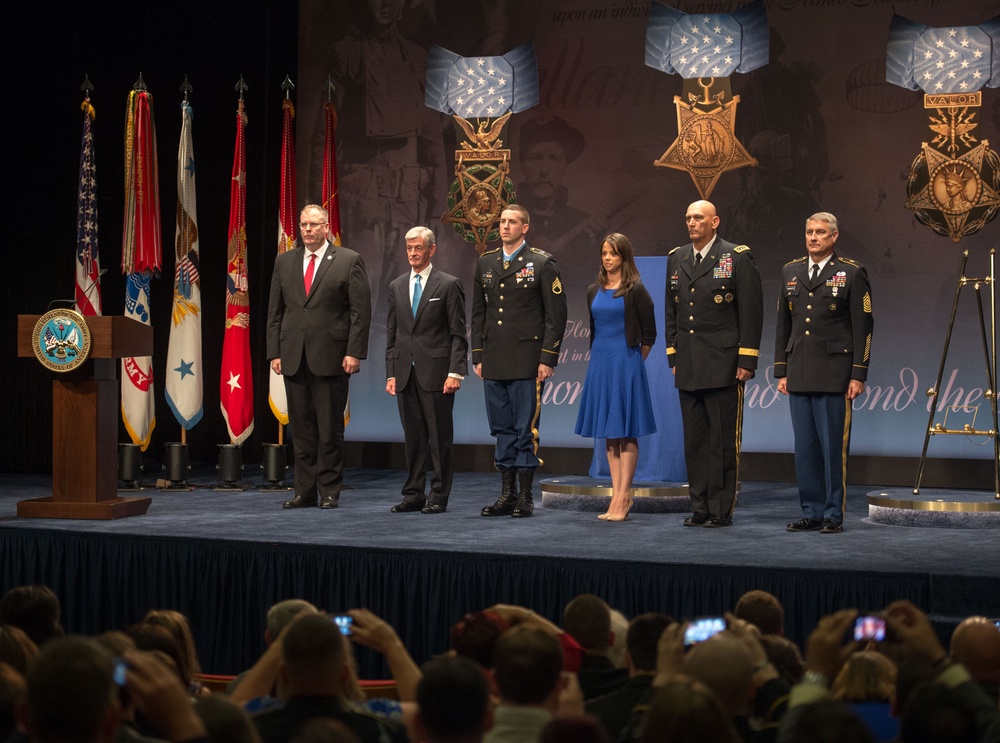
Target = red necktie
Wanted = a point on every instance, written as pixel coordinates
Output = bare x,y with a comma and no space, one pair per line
310,270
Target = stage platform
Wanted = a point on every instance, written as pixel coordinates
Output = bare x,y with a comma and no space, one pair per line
223,557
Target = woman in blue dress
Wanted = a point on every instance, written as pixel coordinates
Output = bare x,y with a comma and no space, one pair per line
615,404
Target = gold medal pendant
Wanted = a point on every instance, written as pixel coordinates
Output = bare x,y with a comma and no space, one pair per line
706,146
481,188
954,182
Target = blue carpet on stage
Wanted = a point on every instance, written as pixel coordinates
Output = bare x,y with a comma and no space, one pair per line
223,557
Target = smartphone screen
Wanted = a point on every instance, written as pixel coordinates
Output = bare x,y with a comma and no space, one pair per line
701,629
343,622
869,628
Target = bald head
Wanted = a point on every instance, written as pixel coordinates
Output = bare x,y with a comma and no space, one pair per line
724,664
702,222
976,645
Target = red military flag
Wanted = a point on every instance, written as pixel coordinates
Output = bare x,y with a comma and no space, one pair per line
141,257
88,265
331,198
236,384
287,221
331,201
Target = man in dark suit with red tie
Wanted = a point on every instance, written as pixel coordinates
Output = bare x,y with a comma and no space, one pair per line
822,349
425,361
317,333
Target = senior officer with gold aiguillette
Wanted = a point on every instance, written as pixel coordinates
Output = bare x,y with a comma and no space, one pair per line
714,313
518,320
822,347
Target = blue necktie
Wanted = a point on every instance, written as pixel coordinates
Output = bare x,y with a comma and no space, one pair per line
416,294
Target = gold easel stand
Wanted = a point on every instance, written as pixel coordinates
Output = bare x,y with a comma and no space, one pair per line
990,356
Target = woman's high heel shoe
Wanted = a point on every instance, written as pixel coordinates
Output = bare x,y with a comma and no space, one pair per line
623,517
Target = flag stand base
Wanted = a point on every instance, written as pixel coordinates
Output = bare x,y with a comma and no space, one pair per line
230,469
273,467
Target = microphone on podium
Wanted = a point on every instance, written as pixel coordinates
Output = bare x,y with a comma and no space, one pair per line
86,294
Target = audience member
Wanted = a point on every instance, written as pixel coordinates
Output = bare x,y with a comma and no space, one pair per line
976,645
312,659
588,620
951,698
784,656
73,696
278,617
867,682
615,709
828,721
180,629
12,690
475,636
574,730
225,721
528,673
735,667
521,616
16,648
34,609
619,628
453,700
686,711
158,640
937,714
324,730
763,611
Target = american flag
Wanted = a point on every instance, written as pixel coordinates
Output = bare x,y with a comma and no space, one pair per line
88,267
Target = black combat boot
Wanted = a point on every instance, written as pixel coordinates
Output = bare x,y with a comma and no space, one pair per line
525,506
508,497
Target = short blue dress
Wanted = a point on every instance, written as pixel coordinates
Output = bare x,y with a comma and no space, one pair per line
615,402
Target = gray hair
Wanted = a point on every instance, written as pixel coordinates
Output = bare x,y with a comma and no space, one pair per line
279,615
317,208
423,233
824,217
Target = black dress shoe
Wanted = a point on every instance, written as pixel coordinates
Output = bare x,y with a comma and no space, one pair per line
407,506
717,522
830,527
329,501
434,508
697,519
299,501
804,525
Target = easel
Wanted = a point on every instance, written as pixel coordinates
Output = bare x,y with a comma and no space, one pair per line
990,356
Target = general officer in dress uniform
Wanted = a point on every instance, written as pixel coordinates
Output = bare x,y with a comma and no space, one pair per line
518,320
714,313
821,352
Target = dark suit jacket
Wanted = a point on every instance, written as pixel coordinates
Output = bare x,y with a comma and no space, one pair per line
518,314
824,328
715,314
432,344
640,317
332,323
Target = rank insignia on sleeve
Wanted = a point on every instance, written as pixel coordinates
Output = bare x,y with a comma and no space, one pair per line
868,302
556,286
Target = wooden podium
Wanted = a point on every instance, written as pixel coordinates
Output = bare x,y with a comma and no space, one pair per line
85,424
